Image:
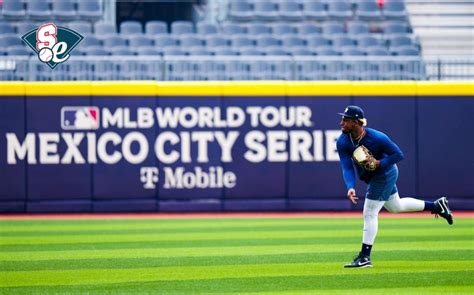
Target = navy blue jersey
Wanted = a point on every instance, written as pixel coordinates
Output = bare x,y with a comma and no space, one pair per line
381,147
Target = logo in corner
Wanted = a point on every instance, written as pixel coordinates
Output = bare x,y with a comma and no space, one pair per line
79,118
51,43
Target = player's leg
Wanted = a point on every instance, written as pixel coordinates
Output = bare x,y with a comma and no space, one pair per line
439,207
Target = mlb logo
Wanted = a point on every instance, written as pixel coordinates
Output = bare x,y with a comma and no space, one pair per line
79,118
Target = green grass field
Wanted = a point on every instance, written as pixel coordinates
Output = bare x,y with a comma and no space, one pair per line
238,255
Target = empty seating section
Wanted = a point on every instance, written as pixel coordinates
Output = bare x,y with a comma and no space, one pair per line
278,28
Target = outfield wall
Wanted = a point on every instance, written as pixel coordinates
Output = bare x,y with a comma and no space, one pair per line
221,146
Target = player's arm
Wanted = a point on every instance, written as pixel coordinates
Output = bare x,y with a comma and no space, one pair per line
393,152
348,172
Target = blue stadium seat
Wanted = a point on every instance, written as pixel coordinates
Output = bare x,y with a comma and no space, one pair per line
121,50
339,42
90,10
82,27
368,41
214,41
318,41
90,41
368,11
173,51
241,11
281,29
182,27
258,29
395,10
267,42
156,27
206,28
242,41
278,51
23,27
339,10
102,30
7,28
225,51
315,10
64,9
266,10
13,9
333,28
38,9
352,51
301,51
97,51
396,28
250,51
201,51
327,52
293,41
19,50
149,51
290,10
357,28
114,41
190,41
399,41
230,29
165,41
140,41
377,51
308,29
9,40
405,51
131,28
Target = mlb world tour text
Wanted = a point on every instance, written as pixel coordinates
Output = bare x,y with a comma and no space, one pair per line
186,135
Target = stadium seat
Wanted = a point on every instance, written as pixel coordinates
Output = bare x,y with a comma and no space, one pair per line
368,11
130,28
190,41
357,28
368,41
343,41
7,28
23,27
339,10
201,51
38,9
206,28
173,51
281,29
121,50
405,51
19,50
214,41
156,27
241,11
242,41
102,30
149,51
165,41
399,41
258,29
396,28
290,11
315,10
64,9
114,41
395,10
9,40
230,29
301,51
305,29
293,42
225,51
82,27
327,52
90,41
250,51
277,51
352,51
266,10
182,27
377,51
318,41
90,10
96,51
267,42
140,41
333,28
13,9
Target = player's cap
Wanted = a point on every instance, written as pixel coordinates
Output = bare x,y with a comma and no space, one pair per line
354,112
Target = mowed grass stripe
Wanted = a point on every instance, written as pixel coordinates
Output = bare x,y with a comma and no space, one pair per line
422,283
363,282
90,276
222,243
224,251
342,257
130,224
440,230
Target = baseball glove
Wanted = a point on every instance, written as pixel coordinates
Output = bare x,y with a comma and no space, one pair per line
364,158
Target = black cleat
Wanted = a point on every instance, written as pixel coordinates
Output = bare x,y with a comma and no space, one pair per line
360,261
442,209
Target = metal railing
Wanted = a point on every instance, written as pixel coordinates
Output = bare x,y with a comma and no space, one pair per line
176,68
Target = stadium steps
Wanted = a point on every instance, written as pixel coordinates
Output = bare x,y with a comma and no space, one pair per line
444,27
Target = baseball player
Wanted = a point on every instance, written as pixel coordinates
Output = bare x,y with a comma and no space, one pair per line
374,155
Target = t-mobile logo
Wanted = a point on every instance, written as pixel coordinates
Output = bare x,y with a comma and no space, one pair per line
149,177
